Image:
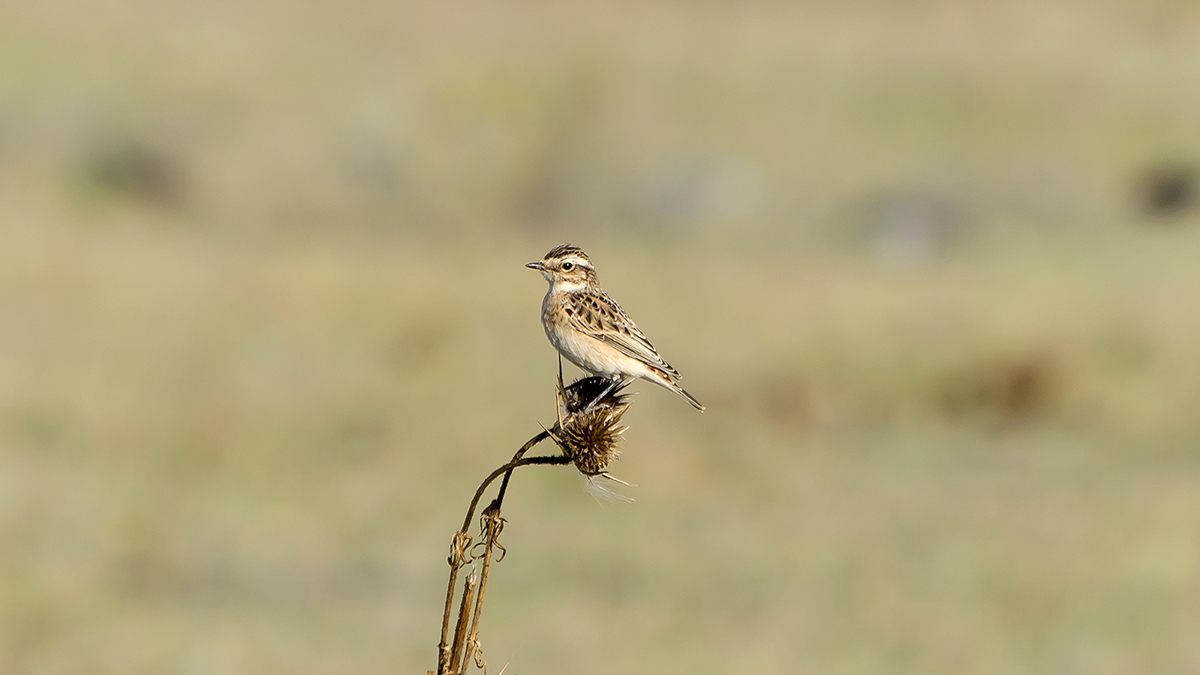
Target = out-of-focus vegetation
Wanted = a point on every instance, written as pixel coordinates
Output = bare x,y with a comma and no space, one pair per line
933,267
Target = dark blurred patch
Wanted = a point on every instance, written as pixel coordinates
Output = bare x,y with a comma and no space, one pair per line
787,402
165,558
611,579
909,226
1124,349
564,119
415,349
355,437
1004,391
374,163
676,196
380,183
144,567
544,198
680,194
1167,190
137,171
36,428
8,134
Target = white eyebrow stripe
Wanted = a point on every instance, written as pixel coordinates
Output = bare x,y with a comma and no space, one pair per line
582,262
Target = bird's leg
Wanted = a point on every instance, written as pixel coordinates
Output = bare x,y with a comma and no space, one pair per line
613,383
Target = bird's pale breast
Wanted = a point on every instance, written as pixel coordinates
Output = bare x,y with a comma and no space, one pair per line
584,350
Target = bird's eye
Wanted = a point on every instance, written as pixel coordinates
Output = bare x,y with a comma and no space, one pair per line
567,267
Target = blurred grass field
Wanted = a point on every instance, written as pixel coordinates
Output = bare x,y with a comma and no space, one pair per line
264,326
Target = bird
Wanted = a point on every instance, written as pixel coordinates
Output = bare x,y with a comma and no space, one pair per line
591,330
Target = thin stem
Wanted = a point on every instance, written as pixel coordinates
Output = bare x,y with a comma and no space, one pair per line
524,449
443,647
446,652
461,647
460,631
458,552
507,468
491,524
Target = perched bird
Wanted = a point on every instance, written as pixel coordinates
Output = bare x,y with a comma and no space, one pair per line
589,328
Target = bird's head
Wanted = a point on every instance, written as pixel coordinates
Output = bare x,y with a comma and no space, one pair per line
566,267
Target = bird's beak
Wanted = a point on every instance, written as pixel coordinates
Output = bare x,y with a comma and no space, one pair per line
536,266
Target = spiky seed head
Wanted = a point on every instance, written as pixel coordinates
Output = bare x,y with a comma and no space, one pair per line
590,437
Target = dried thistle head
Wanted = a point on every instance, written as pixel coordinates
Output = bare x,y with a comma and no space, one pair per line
589,437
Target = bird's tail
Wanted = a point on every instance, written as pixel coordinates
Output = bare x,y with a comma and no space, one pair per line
671,381
690,399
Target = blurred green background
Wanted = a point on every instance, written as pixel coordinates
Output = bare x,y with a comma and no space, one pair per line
933,266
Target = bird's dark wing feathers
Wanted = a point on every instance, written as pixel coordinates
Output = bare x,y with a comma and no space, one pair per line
595,313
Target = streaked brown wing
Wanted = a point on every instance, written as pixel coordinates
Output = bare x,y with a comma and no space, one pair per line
596,314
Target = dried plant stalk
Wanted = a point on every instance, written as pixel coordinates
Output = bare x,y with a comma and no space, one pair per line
460,631
491,524
587,431
459,543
